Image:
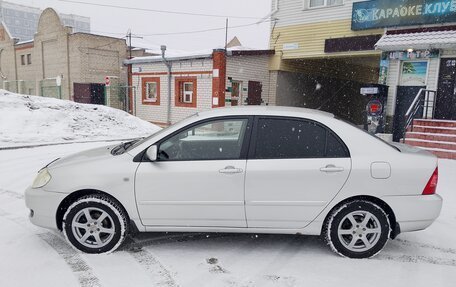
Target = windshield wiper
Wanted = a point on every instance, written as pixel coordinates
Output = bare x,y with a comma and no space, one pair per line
123,147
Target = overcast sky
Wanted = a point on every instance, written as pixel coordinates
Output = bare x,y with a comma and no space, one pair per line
114,20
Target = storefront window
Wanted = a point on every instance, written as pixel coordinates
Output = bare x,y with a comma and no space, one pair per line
414,73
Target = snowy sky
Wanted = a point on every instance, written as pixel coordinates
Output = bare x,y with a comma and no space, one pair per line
115,20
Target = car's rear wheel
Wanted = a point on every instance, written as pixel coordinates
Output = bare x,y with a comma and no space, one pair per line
95,224
357,229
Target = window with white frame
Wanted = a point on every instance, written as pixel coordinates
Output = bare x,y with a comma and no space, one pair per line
187,92
152,92
323,3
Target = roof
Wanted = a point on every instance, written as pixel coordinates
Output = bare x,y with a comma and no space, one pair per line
234,42
6,29
202,54
417,40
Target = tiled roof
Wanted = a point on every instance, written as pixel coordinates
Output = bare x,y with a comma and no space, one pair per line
420,40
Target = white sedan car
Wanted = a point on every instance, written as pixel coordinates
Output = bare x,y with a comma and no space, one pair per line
251,170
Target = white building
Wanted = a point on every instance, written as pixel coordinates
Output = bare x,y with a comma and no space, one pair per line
198,81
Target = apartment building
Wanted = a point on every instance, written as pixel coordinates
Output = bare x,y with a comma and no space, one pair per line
22,21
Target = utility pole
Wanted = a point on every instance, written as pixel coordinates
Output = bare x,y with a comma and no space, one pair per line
129,36
226,33
129,42
130,102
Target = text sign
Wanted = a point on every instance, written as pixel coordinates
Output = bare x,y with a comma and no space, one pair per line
412,55
388,13
369,91
290,46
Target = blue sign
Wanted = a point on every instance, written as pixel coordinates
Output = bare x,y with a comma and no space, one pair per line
389,13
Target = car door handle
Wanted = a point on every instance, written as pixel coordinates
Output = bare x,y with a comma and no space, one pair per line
331,168
231,170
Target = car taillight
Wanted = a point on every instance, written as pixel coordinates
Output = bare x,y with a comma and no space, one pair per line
431,186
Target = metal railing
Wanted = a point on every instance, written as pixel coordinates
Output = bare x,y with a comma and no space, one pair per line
422,107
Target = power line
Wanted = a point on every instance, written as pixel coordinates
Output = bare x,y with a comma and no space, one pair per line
186,32
201,31
160,11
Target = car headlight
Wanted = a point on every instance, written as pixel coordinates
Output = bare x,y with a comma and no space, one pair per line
42,178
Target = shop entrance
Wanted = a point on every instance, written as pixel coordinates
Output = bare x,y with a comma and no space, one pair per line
445,107
404,99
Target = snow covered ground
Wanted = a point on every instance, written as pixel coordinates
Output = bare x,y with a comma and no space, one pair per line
32,120
31,256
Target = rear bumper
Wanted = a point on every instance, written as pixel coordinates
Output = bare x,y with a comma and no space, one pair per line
415,212
43,206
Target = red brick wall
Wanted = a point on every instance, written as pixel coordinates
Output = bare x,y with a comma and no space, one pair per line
219,83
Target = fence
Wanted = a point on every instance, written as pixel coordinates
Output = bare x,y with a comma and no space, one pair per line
118,97
46,88
49,88
20,87
115,96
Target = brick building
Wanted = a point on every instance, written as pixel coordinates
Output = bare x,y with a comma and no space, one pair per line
200,81
61,63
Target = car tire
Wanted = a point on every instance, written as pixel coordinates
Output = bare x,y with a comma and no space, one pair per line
357,229
95,224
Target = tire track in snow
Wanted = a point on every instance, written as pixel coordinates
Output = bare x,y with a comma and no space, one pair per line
173,238
156,270
416,259
78,266
11,193
427,246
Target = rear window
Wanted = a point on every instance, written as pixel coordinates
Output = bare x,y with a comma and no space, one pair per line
374,136
293,138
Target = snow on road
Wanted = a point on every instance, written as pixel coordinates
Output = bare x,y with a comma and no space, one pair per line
31,120
32,256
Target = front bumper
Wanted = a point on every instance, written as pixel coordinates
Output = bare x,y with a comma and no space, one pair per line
43,206
415,212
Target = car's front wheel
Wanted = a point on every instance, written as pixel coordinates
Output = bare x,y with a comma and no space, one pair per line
95,224
357,229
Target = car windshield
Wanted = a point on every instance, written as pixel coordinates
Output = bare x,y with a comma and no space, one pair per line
164,130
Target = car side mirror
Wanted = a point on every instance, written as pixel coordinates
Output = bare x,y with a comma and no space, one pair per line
152,153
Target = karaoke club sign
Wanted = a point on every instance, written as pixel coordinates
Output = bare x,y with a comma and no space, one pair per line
389,13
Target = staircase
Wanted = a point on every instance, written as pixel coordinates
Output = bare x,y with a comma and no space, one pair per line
436,136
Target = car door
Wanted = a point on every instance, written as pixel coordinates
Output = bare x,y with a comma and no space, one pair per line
295,167
198,178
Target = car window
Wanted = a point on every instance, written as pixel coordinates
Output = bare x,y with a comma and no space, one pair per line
220,139
334,147
290,138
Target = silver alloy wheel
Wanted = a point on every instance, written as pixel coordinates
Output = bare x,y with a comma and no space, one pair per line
359,231
93,227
